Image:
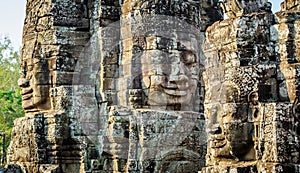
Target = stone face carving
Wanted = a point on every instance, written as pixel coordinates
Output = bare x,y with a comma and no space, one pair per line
35,85
157,88
230,133
171,78
53,38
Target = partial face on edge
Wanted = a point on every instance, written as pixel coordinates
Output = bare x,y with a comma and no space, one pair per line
34,82
230,135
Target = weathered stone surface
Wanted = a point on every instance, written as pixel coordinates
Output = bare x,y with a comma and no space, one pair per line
250,97
289,5
38,142
133,86
237,8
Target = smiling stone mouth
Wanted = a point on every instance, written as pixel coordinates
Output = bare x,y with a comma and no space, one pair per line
27,96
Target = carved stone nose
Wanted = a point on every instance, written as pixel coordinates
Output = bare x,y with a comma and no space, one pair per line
214,129
173,78
182,68
22,82
178,78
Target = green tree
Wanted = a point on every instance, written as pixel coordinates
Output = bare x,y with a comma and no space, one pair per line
10,97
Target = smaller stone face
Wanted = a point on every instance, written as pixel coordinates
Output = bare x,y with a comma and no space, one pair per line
230,135
237,79
35,86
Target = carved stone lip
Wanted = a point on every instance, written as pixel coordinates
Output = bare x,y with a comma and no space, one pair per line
217,137
217,141
26,97
174,92
175,89
182,86
26,91
218,144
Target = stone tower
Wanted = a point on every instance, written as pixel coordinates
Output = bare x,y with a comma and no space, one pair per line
251,99
112,86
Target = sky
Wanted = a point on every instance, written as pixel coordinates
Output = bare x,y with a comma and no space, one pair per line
12,15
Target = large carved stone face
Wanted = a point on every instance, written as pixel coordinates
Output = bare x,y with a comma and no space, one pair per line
230,135
170,78
34,82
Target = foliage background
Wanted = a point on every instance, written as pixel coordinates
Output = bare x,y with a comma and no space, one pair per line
10,97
